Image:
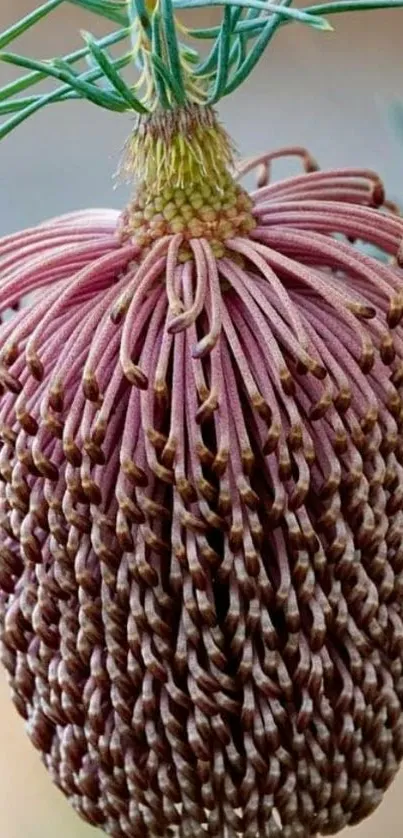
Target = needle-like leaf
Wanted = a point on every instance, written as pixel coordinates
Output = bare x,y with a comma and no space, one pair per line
59,70
156,45
109,71
224,43
167,77
60,94
300,15
340,6
172,48
257,50
114,11
19,85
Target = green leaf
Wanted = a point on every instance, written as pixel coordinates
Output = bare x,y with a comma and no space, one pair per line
15,105
109,71
89,91
238,52
156,52
300,15
246,29
210,62
189,53
60,95
224,43
19,28
340,6
114,11
139,13
18,86
166,76
244,34
206,33
38,104
257,50
249,27
171,42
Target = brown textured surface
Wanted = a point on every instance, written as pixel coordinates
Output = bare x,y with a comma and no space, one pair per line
31,807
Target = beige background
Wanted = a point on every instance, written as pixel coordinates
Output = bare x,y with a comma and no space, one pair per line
329,92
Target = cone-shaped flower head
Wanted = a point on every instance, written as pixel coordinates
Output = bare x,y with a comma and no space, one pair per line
201,464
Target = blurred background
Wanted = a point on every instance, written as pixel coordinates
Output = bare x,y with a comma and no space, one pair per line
329,92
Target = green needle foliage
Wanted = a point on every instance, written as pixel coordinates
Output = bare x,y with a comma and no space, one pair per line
170,72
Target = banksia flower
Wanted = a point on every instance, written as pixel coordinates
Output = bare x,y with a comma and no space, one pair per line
201,567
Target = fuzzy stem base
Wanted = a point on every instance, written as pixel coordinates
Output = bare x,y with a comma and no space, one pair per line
182,160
